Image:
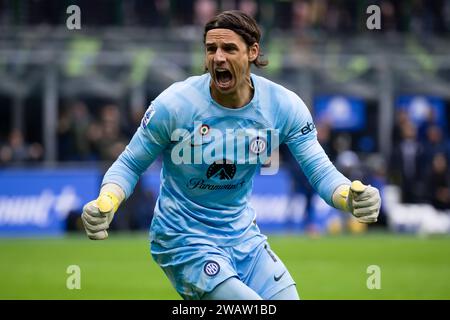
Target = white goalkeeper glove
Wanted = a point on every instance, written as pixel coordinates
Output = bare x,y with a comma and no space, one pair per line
361,201
98,214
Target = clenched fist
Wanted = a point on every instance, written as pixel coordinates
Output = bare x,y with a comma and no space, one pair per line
361,201
98,214
95,221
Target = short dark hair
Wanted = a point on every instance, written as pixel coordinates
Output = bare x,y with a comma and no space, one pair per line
243,25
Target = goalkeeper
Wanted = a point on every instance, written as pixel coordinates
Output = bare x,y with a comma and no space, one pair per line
204,233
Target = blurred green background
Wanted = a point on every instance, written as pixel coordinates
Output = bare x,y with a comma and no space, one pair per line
328,267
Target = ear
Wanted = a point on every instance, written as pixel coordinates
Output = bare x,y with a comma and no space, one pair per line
253,52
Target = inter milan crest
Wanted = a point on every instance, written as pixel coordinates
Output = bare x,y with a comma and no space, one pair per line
258,145
211,268
221,169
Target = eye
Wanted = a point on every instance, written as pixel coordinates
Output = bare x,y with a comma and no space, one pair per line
230,48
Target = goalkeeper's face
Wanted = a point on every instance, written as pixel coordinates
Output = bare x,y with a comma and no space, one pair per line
228,60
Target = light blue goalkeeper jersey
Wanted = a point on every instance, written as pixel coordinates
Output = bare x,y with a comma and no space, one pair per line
210,155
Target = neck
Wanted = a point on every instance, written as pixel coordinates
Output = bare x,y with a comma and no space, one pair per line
236,99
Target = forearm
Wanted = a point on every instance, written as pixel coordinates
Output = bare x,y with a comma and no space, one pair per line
122,175
320,171
133,161
121,178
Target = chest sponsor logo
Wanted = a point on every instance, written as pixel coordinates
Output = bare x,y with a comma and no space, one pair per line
218,171
222,170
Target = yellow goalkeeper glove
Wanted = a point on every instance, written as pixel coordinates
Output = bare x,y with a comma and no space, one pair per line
98,214
361,201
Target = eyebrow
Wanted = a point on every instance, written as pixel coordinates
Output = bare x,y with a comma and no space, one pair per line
230,45
226,44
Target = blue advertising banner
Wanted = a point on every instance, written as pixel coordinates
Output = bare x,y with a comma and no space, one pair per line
37,201
421,109
341,112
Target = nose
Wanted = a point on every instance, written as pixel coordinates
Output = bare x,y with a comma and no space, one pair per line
219,57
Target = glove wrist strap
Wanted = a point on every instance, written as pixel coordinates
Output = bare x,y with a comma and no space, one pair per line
111,198
340,198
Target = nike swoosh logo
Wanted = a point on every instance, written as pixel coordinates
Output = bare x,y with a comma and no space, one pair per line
279,277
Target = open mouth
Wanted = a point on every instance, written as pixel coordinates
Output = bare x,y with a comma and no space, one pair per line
223,78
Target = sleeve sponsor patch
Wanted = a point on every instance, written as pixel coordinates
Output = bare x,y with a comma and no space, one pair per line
148,116
308,128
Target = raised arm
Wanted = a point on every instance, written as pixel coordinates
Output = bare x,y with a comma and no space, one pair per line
301,137
118,184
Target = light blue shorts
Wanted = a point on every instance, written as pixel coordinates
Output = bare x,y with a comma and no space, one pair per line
197,269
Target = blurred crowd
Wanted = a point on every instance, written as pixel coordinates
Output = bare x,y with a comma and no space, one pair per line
420,160
324,15
93,136
16,150
82,135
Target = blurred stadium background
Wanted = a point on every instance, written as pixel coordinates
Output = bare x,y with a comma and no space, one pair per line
71,99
